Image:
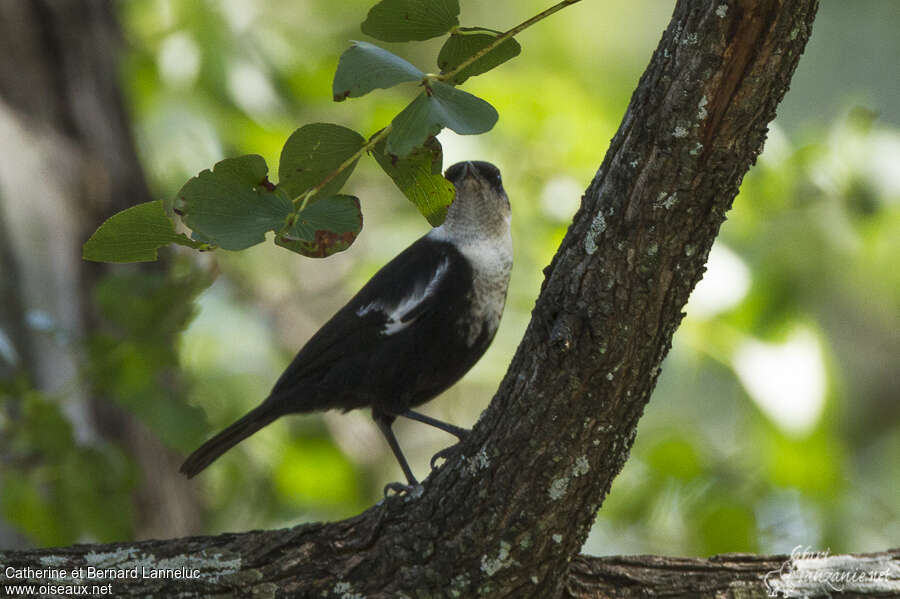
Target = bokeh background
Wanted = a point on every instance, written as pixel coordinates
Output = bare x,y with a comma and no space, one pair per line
775,421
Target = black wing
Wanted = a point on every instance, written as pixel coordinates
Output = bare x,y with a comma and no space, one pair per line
393,343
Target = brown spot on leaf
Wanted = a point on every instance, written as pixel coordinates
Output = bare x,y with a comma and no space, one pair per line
342,96
267,184
329,240
324,244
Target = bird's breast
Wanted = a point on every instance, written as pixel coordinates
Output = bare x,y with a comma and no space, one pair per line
491,266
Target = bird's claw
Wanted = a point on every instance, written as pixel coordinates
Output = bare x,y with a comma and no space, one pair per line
443,454
414,491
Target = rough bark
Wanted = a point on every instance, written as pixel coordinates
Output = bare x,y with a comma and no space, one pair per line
735,576
250,565
69,162
508,513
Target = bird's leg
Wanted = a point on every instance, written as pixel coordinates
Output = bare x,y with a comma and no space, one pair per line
414,489
458,432
443,454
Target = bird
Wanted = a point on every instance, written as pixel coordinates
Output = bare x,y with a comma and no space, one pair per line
411,332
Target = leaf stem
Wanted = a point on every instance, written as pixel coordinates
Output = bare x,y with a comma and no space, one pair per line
302,200
449,75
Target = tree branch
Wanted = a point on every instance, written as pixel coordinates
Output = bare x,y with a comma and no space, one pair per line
735,576
503,37
255,564
506,516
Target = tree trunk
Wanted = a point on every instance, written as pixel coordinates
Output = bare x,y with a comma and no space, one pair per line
69,163
506,516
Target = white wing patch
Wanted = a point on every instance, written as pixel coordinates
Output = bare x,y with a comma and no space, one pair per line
370,307
395,315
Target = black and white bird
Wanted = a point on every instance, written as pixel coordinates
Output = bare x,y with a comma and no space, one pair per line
417,326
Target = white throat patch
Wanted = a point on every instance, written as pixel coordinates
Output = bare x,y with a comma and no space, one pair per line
491,261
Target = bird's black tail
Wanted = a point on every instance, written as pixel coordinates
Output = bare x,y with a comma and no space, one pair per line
211,450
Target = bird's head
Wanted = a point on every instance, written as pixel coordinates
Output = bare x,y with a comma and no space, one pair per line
481,207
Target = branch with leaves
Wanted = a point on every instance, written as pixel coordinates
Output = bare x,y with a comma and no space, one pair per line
235,204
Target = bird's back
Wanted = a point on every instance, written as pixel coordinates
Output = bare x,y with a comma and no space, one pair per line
412,331
406,336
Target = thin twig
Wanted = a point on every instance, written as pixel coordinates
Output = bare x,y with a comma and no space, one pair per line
301,201
505,36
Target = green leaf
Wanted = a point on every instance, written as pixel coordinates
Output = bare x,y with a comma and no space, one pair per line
445,106
134,235
364,67
411,20
234,205
418,176
325,227
465,42
312,153
413,126
461,111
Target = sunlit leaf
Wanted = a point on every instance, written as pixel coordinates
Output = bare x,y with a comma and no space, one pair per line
134,235
413,126
324,227
312,153
234,205
364,67
411,20
461,111
418,176
444,106
467,41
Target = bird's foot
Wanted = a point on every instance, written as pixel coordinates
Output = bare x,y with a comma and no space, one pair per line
444,454
413,491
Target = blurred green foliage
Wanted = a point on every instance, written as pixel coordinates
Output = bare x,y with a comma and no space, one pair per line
775,421
134,361
717,469
55,491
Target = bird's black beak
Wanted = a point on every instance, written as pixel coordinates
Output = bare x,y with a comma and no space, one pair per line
475,169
